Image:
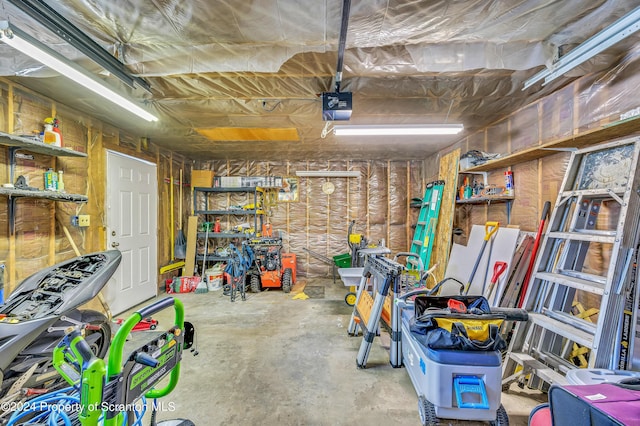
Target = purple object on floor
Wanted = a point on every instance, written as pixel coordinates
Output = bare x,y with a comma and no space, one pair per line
601,404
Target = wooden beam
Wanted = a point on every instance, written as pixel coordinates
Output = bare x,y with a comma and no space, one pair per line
171,218
407,232
192,236
388,218
12,237
96,190
442,244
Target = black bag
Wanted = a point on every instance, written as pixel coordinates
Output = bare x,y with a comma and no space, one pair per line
436,337
438,328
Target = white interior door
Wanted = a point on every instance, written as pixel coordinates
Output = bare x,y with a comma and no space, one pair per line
132,212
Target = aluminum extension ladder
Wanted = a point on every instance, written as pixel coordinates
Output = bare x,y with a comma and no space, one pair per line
598,176
385,275
422,243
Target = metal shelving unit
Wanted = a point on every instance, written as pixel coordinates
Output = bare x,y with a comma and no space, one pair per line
206,206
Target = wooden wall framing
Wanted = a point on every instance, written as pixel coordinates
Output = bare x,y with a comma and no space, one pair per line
378,200
44,234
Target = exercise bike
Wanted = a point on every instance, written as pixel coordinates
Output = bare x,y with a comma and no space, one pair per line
113,393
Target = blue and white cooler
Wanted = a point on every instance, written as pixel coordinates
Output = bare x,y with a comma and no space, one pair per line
453,358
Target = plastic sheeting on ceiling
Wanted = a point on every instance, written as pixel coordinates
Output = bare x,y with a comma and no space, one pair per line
262,64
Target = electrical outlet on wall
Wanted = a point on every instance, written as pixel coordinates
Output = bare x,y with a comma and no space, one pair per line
83,220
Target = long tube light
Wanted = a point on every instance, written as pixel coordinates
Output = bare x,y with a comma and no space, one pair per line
327,173
619,30
48,17
391,130
28,45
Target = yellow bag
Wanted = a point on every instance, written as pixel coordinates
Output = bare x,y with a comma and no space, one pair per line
477,329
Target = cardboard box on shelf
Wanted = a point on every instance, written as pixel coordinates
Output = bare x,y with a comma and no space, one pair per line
202,178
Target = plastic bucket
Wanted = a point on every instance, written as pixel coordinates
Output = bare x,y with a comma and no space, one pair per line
214,277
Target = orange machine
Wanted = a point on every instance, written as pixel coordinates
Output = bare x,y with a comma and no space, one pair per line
289,261
271,268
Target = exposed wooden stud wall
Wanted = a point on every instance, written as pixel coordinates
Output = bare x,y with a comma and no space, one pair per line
486,148
349,211
327,241
592,107
96,171
307,212
12,237
408,216
388,219
288,212
52,206
58,246
368,192
539,202
172,204
315,214
90,234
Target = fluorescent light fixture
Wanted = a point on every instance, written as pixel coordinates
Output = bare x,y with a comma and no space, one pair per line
619,30
401,129
28,45
327,173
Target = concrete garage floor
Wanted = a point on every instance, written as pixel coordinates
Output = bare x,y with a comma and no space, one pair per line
273,360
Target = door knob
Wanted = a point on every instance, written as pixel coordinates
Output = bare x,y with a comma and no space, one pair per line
114,244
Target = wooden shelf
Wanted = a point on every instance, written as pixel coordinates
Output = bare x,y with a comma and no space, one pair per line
604,133
16,143
36,146
48,195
